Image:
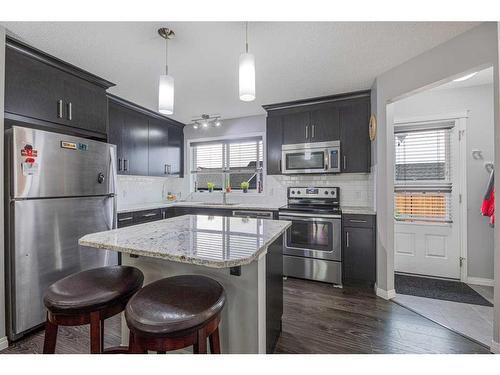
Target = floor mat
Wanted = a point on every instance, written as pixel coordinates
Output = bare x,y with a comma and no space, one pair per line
438,289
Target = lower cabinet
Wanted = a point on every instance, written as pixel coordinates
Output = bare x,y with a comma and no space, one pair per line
179,211
139,217
359,249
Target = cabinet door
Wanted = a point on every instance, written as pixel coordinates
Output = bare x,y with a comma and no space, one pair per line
274,140
85,104
354,139
158,147
175,151
359,254
116,124
296,128
31,88
135,143
325,124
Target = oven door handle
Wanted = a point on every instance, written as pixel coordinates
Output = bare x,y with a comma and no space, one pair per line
306,217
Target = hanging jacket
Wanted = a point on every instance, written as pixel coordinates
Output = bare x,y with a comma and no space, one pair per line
488,206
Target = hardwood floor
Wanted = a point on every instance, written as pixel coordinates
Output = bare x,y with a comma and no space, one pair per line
317,319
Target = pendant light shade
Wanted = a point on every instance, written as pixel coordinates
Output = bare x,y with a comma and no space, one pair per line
166,85
247,77
166,95
247,72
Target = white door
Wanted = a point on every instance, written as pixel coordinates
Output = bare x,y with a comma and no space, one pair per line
426,199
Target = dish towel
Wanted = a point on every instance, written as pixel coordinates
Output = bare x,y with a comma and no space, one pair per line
488,207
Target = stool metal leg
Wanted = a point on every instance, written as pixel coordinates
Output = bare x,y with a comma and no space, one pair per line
49,343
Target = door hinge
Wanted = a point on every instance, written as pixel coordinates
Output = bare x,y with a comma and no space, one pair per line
461,261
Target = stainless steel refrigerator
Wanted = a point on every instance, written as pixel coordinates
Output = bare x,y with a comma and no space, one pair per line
58,189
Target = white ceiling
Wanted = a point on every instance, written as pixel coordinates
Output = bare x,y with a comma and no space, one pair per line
293,60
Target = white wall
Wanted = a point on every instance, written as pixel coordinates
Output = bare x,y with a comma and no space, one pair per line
478,100
3,340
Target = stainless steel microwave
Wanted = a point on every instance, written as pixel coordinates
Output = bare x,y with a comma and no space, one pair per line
318,157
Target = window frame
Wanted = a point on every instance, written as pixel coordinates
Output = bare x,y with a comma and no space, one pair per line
444,187
227,138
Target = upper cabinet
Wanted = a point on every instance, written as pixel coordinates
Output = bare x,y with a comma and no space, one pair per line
44,88
148,144
341,118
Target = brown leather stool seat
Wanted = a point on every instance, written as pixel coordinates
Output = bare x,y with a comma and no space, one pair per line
89,297
175,313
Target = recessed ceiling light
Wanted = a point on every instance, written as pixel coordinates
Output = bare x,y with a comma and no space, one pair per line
466,77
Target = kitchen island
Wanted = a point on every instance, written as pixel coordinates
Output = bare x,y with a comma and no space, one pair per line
244,255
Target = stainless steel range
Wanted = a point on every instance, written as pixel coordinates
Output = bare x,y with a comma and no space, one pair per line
313,243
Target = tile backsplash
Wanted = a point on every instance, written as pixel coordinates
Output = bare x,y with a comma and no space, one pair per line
134,190
356,189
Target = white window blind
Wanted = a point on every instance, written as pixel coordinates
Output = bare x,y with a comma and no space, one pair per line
228,163
422,174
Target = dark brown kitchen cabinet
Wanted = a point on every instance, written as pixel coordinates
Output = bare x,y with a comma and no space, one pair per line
296,128
147,144
355,151
342,117
274,140
358,249
175,151
158,148
324,124
44,88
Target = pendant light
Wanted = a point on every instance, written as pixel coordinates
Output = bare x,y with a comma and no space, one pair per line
166,86
247,72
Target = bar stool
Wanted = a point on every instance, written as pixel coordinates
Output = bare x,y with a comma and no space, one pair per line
89,297
175,313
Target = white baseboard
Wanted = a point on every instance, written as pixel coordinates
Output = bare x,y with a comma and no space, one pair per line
4,344
480,281
385,294
495,347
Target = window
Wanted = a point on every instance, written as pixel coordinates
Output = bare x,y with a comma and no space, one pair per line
422,174
227,163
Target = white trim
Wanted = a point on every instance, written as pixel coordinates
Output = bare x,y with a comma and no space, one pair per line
4,343
385,294
461,124
479,281
432,118
495,347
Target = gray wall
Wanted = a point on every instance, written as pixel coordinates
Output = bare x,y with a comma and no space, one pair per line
2,278
470,51
478,100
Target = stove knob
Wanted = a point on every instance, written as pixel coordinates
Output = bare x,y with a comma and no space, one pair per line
333,192
298,192
326,192
293,191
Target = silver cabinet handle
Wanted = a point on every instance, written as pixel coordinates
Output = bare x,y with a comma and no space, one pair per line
312,131
307,132
167,168
125,165
347,239
165,171
279,165
125,218
70,111
357,221
119,164
59,108
150,215
345,162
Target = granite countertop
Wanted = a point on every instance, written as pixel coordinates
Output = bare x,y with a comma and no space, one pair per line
217,242
236,206
358,210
